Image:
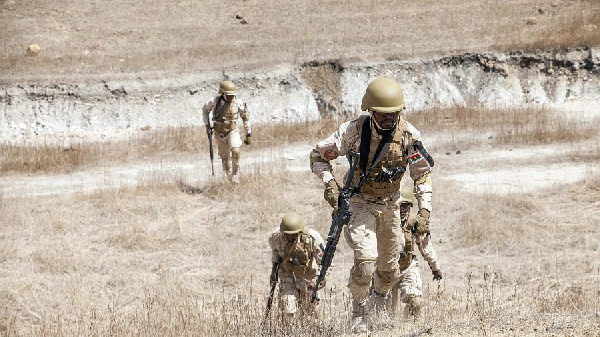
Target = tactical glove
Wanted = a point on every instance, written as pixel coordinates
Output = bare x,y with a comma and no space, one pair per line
331,193
421,222
319,286
437,275
248,139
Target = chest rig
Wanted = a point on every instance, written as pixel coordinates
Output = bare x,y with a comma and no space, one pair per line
383,179
299,255
224,115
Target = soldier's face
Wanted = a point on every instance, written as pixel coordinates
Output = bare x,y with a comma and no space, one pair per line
229,98
290,237
386,120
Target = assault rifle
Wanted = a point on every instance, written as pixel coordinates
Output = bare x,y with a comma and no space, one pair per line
274,278
340,218
209,132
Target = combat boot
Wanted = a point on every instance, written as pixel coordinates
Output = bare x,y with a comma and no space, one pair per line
381,305
359,317
235,179
413,306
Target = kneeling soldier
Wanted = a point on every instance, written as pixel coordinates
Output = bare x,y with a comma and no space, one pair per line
296,257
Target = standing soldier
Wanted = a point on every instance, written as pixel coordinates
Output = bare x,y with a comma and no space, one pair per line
387,145
296,257
410,284
221,115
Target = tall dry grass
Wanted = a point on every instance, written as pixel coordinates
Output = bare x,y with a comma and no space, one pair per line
466,127
155,261
54,158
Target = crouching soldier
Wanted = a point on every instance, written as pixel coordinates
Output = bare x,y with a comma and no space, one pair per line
416,236
296,257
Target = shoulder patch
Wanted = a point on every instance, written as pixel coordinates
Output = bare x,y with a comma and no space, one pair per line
416,157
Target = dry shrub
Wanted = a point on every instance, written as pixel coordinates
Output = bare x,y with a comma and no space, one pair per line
46,158
324,77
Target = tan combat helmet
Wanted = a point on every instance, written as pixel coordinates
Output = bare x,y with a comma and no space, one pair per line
291,224
227,88
407,193
383,95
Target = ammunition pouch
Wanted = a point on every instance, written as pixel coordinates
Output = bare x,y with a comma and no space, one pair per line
390,174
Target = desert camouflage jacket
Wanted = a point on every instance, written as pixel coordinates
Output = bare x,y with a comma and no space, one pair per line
406,153
223,115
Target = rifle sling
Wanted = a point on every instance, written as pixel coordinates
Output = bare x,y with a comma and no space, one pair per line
219,108
365,148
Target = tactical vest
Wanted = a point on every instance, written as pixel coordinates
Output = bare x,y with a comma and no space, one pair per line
224,116
396,158
298,256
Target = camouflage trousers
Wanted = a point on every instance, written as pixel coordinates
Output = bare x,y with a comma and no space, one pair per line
295,294
410,284
228,145
376,237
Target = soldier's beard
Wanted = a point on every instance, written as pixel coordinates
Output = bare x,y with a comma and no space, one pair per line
385,126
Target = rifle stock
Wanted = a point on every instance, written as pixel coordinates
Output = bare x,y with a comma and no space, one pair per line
274,278
340,218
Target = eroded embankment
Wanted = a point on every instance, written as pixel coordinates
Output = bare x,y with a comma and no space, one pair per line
108,108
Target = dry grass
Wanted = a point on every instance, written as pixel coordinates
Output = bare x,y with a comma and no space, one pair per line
156,261
466,127
167,142
79,37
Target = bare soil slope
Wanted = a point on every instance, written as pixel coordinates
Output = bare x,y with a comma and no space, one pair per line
113,36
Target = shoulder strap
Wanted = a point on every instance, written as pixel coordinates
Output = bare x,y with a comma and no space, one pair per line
365,148
219,108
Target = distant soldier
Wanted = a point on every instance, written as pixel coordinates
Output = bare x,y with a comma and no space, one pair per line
387,146
221,115
296,257
410,284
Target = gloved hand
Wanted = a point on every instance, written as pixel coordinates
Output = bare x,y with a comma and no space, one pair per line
421,222
319,286
248,139
437,275
332,192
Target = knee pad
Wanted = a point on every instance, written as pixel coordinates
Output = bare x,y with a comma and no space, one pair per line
362,271
235,153
385,280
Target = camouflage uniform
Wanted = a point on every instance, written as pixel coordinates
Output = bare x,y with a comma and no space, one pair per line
410,283
223,117
375,230
300,264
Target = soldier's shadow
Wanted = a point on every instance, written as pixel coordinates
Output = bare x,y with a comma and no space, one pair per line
189,189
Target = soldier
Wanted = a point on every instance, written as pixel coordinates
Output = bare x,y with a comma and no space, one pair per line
221,115
387,145
410,283
296,257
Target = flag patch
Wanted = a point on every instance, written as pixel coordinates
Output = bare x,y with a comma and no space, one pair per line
416,157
